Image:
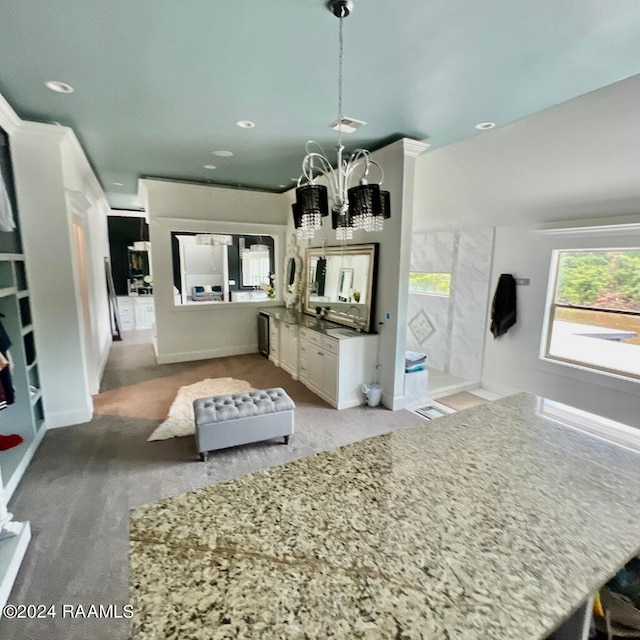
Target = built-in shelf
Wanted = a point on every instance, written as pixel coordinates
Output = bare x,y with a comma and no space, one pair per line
25,416
12,552
14,461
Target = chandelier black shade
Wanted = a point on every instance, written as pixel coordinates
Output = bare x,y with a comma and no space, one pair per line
312,199
297,216
365,200
385,198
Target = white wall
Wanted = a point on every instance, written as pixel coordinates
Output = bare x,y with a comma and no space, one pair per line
577,160
193,332
511,361
55,185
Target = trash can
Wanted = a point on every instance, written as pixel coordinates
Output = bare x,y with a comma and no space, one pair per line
373,393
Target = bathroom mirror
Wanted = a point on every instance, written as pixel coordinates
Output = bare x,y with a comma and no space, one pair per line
292,273
342,280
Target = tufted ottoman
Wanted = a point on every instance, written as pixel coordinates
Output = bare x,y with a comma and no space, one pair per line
241,418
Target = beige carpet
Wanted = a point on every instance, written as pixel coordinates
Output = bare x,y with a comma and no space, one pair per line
180,421
150,398
461,401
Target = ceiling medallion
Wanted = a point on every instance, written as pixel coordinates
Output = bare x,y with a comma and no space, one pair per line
361,206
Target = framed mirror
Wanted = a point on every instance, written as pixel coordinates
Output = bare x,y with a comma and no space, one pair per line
292,274
342,280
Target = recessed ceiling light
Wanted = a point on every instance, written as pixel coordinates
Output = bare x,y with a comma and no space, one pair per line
209,166
118,184
246,124
59,87
485,125
223,154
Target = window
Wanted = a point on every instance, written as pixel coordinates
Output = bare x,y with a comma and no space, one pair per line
432,283
594,310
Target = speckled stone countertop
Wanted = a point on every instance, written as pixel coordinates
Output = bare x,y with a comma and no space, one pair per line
282,314
492,523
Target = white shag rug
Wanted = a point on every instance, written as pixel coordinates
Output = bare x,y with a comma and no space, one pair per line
180,421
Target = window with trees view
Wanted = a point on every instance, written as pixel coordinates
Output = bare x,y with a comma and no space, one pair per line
594,310
433,283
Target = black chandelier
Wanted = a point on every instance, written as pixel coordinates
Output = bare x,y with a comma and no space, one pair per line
361,206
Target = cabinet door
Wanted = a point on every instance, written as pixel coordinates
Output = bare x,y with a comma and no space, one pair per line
330,375
305,353
315,367
144,314
290,350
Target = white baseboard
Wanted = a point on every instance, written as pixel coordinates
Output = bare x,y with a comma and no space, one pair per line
205,354
499,389
57,419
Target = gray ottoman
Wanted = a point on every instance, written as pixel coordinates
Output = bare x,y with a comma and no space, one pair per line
241,418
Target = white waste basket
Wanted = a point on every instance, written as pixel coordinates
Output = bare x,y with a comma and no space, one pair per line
373,392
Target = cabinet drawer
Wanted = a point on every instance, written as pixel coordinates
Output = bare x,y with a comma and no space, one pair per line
330,344
126,322
312,336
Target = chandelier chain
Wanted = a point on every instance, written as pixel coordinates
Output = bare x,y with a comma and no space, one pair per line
340,76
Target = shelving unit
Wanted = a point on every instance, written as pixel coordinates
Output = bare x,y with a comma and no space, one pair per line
26,415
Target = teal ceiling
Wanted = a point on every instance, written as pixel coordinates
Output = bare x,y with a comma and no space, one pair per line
159,84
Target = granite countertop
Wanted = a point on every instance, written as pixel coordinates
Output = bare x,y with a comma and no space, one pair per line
326,327
491,523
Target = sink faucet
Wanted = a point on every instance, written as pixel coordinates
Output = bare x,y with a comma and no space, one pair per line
358,319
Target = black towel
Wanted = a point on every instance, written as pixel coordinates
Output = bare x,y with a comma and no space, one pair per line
503,310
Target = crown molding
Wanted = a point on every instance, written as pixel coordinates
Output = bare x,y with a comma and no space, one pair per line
614,225
409,147
414,148
9,120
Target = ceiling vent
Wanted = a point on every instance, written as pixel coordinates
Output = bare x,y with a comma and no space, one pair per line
347,125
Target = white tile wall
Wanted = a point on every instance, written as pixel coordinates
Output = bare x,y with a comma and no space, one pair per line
458,323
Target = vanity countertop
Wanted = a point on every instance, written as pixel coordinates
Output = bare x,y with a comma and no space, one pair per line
333,329
493,523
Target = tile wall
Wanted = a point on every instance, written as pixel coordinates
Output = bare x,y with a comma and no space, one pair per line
451,330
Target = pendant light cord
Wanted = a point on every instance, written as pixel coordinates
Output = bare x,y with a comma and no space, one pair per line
340,57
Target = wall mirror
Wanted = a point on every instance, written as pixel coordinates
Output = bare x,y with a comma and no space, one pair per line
139,270
342,280
292,273
221,267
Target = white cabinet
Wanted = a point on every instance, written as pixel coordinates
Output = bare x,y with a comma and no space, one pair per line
126,313
144,313
289,348
336,368
274,341
333,366
136,312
